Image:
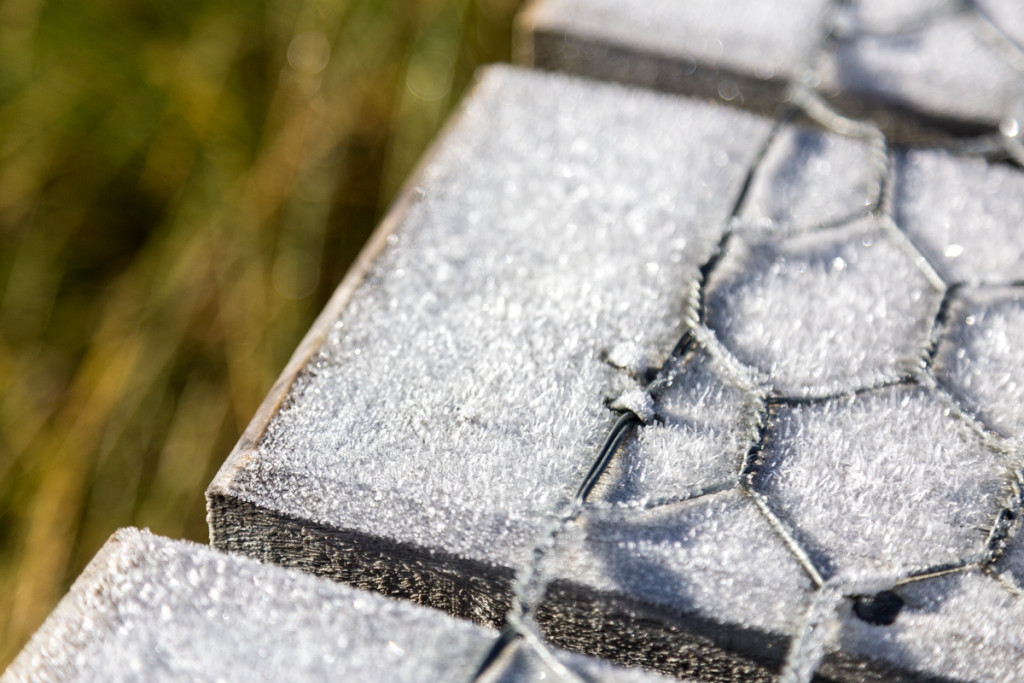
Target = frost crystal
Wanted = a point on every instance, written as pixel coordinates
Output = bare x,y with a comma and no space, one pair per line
864,496
823,313
979,356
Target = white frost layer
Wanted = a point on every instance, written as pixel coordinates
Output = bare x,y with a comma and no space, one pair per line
822,313
152,609
707,423
148,608
958,627
943,70
929,56
748,36
885,16
461,395
888,481
522,663
715,557
980,357
965,215
1008,15
809,178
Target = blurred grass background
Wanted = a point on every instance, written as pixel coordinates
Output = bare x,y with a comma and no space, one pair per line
181,187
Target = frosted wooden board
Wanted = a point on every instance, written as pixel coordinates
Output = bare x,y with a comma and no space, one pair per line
743,52
152,609
576,248
890,58
453,396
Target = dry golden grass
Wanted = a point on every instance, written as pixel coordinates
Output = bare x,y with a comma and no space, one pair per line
181,186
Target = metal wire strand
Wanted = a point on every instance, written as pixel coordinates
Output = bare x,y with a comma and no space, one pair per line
619,432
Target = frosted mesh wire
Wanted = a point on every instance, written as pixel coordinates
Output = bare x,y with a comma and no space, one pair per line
473,350
856,431
873,483
456,403
654,531
964,214
919,63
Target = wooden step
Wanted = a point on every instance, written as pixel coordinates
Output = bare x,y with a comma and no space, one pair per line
148,608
